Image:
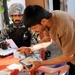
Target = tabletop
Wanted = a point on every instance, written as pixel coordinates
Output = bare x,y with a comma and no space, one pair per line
7,61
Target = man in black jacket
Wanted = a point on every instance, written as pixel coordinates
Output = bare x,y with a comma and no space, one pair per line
17,30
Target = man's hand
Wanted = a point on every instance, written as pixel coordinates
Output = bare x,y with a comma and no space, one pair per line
25,50
35,65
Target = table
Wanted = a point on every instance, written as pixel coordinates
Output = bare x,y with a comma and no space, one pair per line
8,61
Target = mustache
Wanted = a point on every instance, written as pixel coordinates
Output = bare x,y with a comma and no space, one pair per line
17,20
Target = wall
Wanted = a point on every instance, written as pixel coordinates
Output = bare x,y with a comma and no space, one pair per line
50,5
37,2
71,6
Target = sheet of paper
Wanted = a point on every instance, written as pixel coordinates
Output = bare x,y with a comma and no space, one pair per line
18,55
4,73
13,66
11,43
6,52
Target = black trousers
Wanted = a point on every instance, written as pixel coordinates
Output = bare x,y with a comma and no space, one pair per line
72,68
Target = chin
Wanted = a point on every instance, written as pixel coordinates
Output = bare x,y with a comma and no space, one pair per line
17,23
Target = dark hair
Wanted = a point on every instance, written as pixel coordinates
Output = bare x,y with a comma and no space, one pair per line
33,14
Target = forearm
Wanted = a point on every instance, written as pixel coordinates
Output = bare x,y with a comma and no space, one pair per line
62,69
46,39
40,46
57,60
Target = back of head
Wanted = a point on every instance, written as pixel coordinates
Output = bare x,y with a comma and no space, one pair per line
16,8
33,15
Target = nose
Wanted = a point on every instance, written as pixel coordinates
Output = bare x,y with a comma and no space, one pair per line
18,17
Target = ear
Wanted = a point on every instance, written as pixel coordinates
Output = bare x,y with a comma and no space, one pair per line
44,21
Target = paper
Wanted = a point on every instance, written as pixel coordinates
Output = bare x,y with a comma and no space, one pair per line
4,73
11,43
6,52
18,55
13,66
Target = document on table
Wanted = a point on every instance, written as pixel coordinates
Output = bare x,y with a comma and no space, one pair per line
13,66
11,49
11,43
6,52
4,73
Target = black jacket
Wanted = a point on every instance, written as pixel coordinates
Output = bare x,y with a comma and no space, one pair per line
20,35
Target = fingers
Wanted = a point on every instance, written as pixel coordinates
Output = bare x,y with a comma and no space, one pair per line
25,50
35,65
31,68
21,49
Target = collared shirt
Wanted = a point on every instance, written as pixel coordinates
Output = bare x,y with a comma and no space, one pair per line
63,32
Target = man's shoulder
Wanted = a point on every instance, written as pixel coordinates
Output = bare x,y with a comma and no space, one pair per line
61,12
61,15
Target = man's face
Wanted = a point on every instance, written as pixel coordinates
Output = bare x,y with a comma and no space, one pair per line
37,28
17,18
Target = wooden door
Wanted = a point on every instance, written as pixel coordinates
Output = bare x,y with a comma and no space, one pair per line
37,2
